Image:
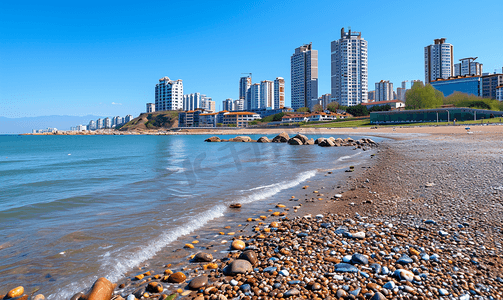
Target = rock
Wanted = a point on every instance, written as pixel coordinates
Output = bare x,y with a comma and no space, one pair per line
238,245
177,277
131,297
294,141
235,205
263,139
102,290
404,260
378,296
390,285
15,292
326,143
284,273
302,138
341,294
281,138
292,292
443,292
155,287
241,139
346,268
198,282
213,139
309,142
358,235
359,259
402,274
76,296
203,257
239,266
250,256
318,140
39,297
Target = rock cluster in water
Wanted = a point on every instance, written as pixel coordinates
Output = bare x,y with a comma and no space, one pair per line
301,139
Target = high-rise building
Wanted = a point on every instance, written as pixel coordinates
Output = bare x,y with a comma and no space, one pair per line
228,105
467,66
99,124
128,118
400,93
325,100
279,92
207,103
349,78
489,83
92,125
150,107
371,96
107,123
239,104
168,94
438,61
254,96
192,101
244,87
384,90
304,76
116,121
266,94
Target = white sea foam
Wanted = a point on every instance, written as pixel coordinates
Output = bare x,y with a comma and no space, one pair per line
343,158
116,263
270,190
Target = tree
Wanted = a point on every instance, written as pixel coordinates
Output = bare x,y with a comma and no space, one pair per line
318,108
333,106
303,109
358,110
278,117
423,97
459,99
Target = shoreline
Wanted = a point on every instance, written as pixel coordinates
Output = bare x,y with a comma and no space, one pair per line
398,200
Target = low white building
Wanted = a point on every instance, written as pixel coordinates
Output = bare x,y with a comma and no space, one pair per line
393,103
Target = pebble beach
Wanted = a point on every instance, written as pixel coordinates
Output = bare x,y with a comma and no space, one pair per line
421,220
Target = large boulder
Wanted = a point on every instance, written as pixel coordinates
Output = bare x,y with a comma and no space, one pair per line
241,139
295,141
281,138
203,257
318,140
263,139
309,142
102,290
239,266
302,138
213,139
326,143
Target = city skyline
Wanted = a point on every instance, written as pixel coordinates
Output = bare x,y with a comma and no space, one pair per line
102,64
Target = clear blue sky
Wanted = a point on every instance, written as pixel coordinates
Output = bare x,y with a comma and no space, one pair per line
104,58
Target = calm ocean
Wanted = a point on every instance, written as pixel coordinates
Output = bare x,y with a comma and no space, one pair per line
74,208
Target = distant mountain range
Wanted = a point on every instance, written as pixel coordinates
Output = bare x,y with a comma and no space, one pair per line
27,124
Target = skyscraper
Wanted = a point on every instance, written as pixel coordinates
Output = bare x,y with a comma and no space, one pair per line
304,76
254,96
438,61
192,101
279,92
467,66
168,94
244,87
349,69
384,91
228,105
266,94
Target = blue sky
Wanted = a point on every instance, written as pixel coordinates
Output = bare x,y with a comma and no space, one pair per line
105,57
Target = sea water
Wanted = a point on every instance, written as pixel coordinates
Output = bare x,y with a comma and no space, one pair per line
75,208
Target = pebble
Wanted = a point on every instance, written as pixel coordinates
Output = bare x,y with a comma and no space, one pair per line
177,277
378,296
240,266
443,292
344,267
198,282
404,260
359,259
238,245
292,292
402,274
203,257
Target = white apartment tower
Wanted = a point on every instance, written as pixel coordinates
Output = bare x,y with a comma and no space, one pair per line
266,94
438,61
384,91
168,94
468,66
279,92
349,76
239,104
228,105
304,76
150,107
254,96
192,101
244,88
